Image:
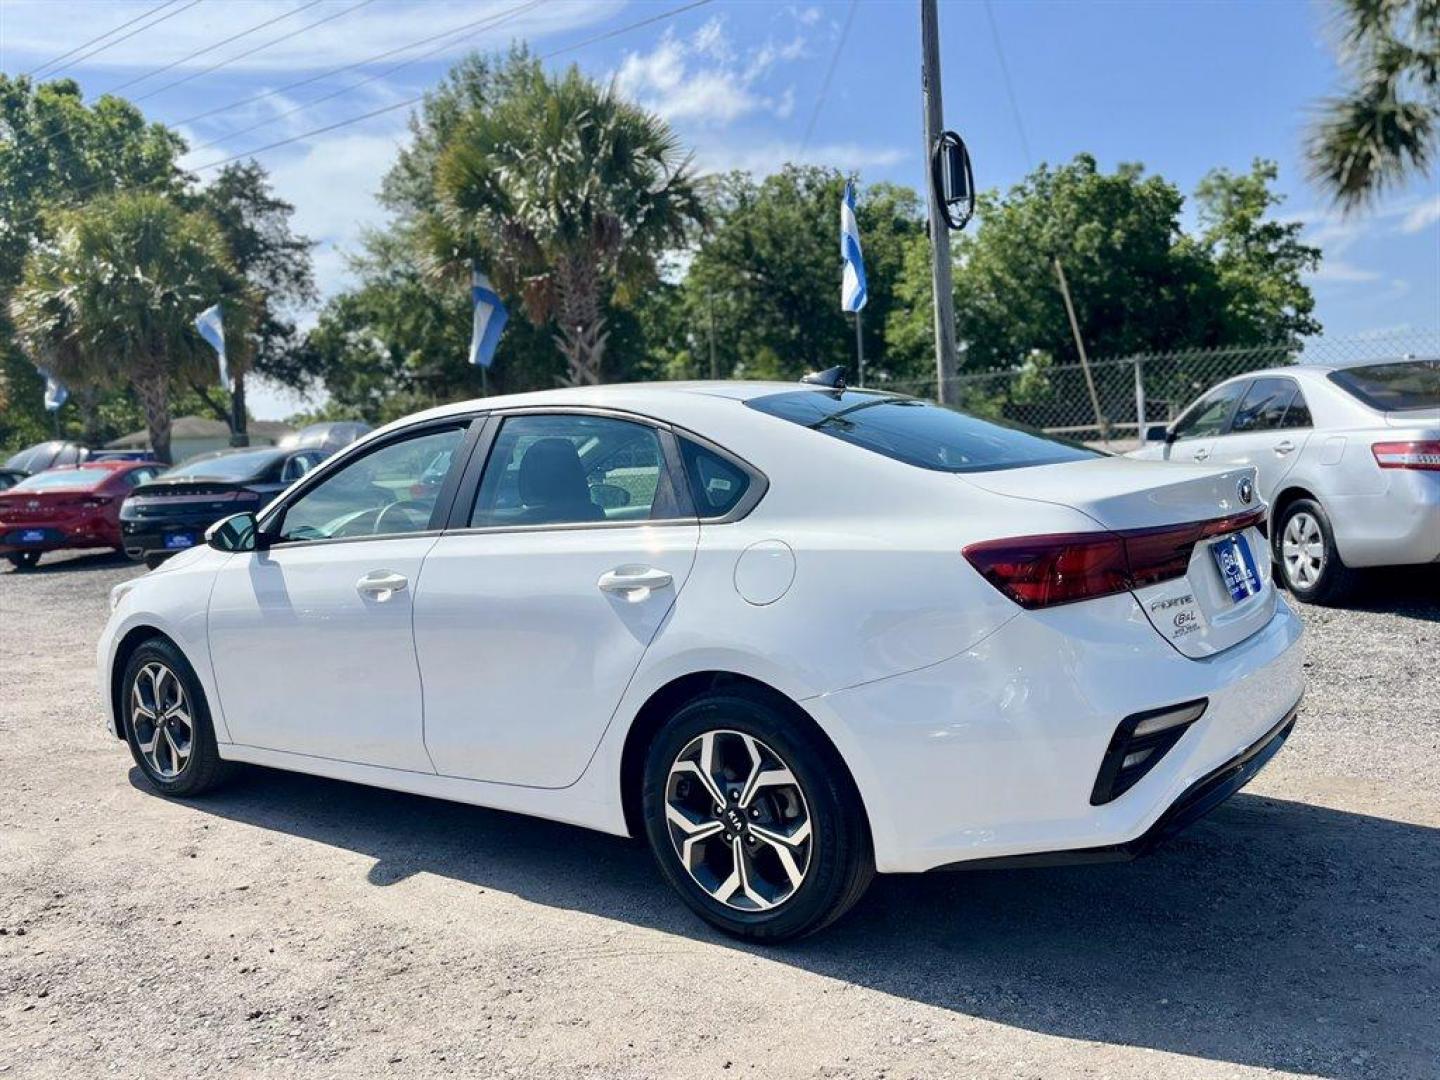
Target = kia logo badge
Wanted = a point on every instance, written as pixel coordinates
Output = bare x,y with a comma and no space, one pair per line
1245,489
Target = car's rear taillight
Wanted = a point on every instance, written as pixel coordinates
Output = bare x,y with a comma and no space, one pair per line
1061,568
1408,455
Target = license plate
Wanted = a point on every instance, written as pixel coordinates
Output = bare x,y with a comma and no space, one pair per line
1237,566
175,541
32,536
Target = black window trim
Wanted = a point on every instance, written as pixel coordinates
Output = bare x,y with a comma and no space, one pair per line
468,489
471,425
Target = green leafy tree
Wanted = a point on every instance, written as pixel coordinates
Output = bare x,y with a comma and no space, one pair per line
275,264
1382,128
1139,282
568,196
765,282
56,152
111,300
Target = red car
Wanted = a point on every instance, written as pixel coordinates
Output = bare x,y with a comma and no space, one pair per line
74,506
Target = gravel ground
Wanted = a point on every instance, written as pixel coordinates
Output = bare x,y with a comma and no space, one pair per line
298,927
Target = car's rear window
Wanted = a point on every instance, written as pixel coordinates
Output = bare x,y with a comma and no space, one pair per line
1393,387
226,466
919,433
63,478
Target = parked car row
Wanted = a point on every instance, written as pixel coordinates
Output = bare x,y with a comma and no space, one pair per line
112,500
1347,457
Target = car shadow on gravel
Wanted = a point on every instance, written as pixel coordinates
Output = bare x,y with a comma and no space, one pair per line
1413,591
66,563
1274,933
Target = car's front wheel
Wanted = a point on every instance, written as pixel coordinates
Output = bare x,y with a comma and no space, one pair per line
1305,550
167,722
24,560
753,819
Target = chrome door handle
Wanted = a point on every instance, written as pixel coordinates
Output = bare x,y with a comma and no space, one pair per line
1283,448
381,585
633,582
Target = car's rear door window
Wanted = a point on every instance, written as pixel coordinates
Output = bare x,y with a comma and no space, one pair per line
716,483
574,469
917,432
1264,406
1394,387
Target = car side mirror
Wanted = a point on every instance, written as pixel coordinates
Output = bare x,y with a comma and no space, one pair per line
238,532
1158,433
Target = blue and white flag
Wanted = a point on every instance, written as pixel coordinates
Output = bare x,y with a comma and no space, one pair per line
55,393
852,279
490,320
212,329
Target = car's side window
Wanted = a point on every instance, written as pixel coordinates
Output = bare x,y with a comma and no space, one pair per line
717,485
1263,407
574,469
1209,415
297,466
137,477
381,493
1298,414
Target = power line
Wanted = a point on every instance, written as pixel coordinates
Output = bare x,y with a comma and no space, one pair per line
251,52
363,62
829,75
124,37
302,136
1009,87
420,97
211,48
489,22
99,37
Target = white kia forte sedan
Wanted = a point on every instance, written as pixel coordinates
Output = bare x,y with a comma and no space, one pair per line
791,635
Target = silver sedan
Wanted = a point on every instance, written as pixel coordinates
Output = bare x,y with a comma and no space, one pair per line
1348,457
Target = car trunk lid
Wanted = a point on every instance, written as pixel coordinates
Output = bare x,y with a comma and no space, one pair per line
1179,526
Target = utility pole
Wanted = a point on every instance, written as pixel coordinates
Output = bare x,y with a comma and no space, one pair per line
1100,421
859,352
710,308
945,365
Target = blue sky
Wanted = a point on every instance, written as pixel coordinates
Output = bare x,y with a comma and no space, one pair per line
1181,87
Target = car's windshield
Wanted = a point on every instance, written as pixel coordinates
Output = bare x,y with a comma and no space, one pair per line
1393,387
64,478
919,433
225,466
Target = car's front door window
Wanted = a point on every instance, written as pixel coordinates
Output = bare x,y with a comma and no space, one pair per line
383,493
1208,416
1263,407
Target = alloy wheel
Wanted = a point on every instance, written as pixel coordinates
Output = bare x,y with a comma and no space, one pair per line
161,720
1302,547
738,820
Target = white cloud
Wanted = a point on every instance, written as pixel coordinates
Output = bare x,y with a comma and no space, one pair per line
1338,271
1422,216
703,79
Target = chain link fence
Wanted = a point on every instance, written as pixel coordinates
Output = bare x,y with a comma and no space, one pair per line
1112,403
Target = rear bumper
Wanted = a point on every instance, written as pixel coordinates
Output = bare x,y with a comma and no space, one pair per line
147,538
55,537
1197,800
995,752
1399,526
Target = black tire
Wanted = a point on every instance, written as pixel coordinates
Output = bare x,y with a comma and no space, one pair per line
839,859
152,561
200,768
1329,583
24,560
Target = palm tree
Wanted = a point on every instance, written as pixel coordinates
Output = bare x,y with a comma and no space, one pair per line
112,300
1382,129
567,196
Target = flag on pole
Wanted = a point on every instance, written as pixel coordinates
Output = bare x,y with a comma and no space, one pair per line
490,319
212,329
55,393
852,279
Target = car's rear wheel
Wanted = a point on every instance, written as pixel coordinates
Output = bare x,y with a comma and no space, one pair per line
167,722
1305,550
24,560
152,561
753,819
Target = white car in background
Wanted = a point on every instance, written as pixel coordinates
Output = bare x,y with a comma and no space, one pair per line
790,635
1347,456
